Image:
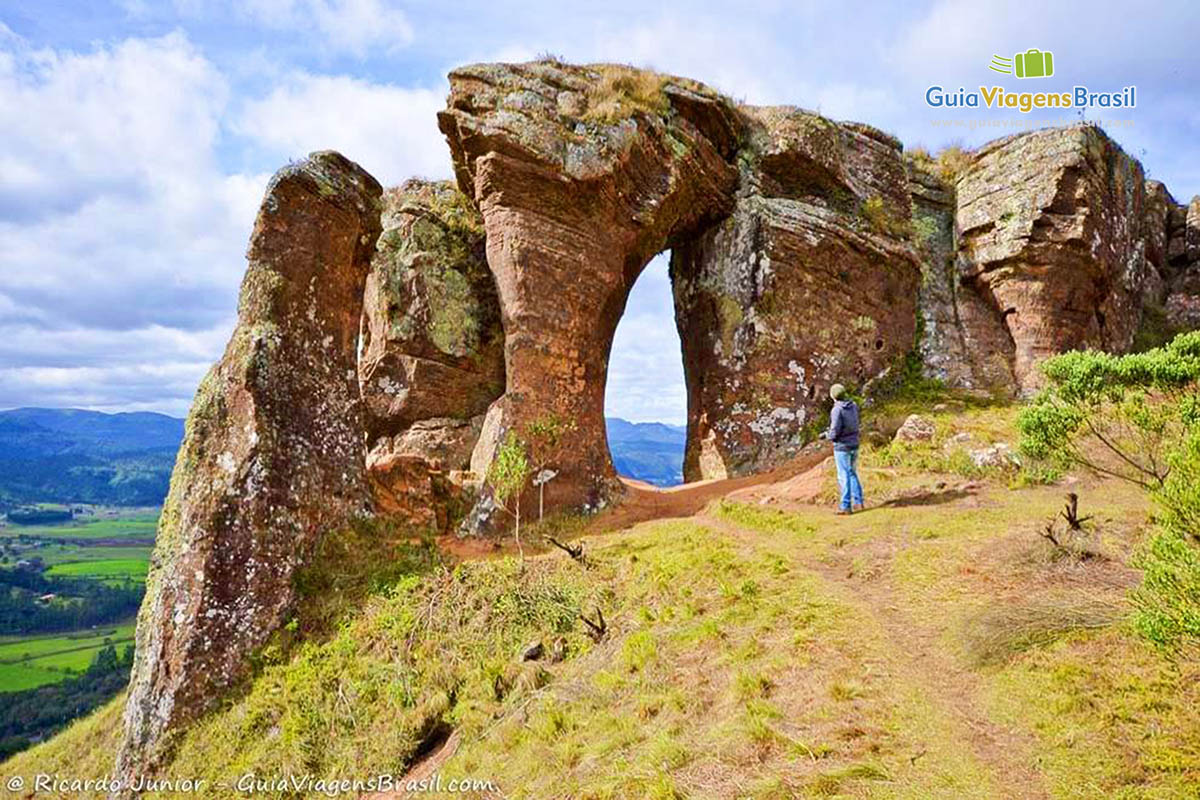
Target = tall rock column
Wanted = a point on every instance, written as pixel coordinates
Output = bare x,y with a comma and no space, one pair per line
1053,231
272,458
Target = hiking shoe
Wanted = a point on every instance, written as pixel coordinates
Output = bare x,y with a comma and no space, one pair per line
844,512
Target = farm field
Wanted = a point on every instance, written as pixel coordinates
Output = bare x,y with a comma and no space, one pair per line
104,523
110,570
31,661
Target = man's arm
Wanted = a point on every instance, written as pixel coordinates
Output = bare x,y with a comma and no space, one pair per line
835,424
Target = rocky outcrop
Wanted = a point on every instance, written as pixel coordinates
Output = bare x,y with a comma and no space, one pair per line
433,344
804,251
810,281
582,174
1054,231
432,350
273,454
963,341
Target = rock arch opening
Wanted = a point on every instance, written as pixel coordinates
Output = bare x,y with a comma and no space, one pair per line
645,400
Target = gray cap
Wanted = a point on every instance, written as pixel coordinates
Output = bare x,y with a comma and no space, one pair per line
836,391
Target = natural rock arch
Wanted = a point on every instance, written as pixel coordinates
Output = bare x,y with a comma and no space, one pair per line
582,175
804,251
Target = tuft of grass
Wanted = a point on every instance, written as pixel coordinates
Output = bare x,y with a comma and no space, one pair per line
620,91
1111,716
1001,632
882,221
952,162
769,520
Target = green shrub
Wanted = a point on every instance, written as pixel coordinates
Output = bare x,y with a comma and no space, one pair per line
1137,417
1168,601
1117,415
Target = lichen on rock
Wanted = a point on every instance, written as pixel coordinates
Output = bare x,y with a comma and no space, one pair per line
796,290
272,456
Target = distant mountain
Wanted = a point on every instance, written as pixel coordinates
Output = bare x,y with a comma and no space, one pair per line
648,451
70,455
50,455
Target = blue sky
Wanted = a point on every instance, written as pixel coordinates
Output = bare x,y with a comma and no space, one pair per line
138,136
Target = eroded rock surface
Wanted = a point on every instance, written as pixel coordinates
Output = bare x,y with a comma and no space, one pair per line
581,175
432,350
1053,231
809,282
273,455
964,342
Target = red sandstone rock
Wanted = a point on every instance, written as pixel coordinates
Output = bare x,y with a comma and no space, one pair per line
811,281
1052,230
273,454
582,175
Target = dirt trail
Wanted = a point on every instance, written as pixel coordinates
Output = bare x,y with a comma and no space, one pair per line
914,650
644,502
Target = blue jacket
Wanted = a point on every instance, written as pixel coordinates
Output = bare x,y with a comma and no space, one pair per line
843,425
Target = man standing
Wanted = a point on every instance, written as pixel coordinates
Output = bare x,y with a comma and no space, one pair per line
843,432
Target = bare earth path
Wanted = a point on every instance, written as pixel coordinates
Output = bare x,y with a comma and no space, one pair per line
914,655
857,562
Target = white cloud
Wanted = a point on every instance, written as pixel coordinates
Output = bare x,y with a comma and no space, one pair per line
121,240
391,131
344,26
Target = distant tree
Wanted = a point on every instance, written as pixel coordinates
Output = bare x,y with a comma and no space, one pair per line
507,478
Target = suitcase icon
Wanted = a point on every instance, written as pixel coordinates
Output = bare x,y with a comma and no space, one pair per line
1034,63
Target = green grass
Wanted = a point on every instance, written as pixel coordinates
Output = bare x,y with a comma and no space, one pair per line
18,677
139,524
75,553
116,570
750,652
26,662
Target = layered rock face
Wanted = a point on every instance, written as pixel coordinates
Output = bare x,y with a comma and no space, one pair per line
964,342
432,350
273,454
582,175
809,282
1054,232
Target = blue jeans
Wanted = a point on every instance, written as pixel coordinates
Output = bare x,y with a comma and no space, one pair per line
847,472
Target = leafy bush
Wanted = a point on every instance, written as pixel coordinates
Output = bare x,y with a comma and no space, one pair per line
1168,601
1137,417
1117,415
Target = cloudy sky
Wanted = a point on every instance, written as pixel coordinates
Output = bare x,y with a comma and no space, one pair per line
136,137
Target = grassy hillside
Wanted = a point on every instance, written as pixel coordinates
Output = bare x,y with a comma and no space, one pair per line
935,646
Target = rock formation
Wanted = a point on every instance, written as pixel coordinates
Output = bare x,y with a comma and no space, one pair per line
810,281
964,342
272,456
1053,232
803,251
582,176
432,350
